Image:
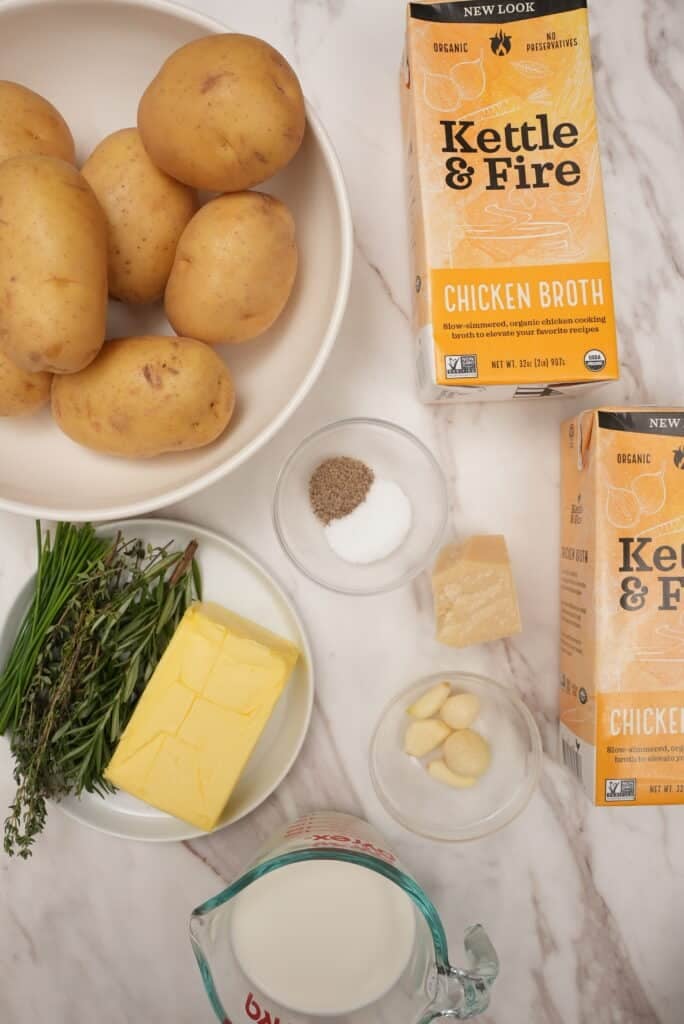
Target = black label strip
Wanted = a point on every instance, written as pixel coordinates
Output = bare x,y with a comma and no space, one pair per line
497,13
666,423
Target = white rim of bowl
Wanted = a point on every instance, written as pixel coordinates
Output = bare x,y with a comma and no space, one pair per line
408,576
339,307
276,585
536,750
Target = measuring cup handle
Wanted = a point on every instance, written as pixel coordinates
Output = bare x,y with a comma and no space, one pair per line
477,981
465,993
482,953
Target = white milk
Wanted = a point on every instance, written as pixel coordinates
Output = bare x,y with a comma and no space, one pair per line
323,937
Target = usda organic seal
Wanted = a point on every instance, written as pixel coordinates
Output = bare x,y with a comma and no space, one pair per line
595,360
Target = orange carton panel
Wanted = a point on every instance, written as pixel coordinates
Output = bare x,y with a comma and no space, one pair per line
622,604
513,294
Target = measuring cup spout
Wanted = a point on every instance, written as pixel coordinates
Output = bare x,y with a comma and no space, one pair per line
465,993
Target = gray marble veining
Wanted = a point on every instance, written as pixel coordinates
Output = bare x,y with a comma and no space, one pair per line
584,905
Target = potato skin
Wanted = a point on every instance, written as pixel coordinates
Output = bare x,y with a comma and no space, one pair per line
234,269
30,124
146,212
21,392
224,113
53,266
144,396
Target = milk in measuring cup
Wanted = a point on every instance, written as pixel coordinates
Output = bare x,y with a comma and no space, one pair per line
326,925
306,934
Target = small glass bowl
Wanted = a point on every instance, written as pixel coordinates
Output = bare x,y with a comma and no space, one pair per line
431,808
391,452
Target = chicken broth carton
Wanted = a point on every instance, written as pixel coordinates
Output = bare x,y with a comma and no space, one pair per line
513,295
622,604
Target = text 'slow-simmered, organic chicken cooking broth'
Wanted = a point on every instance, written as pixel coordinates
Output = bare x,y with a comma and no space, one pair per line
622,604
513,293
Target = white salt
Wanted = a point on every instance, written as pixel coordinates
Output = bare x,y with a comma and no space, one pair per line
376,527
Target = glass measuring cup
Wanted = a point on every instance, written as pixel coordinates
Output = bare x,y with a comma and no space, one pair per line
426,988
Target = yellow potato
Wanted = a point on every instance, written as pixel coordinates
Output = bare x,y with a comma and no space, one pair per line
29,124
146,212
53,266
224,113
144,396
234,269
21,392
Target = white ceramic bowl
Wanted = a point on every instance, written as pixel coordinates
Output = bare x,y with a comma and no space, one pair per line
93,59
234,578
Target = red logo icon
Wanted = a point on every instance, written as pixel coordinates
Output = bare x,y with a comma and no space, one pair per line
255,1012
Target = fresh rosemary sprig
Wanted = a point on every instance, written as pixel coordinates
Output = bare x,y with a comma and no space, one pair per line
91,667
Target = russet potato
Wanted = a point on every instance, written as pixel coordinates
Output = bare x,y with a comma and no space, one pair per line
53,266
29,124
21,392
224,113
146,212
146,395
234,269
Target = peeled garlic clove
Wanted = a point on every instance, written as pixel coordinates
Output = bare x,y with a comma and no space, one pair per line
467,753
425,736
430,702
442,773
460,711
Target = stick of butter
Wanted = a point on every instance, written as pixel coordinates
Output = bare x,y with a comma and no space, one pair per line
201,714
474,592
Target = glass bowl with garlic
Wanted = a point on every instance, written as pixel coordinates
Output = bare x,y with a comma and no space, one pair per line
455,757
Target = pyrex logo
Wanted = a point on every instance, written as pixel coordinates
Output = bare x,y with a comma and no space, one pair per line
255,1012
489,10
335,841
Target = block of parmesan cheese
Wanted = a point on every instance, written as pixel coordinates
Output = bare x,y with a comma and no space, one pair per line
474,592
201,714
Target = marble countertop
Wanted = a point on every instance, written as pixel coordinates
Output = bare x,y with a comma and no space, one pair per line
584,905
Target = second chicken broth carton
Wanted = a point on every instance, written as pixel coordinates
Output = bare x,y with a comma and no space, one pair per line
513,295
622,604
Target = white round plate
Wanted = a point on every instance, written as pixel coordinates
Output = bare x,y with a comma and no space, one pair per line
93,59
233,578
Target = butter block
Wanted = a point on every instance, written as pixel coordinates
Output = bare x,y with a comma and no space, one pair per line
474,592
201,714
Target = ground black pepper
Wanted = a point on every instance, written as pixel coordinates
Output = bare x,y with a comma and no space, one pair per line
338,486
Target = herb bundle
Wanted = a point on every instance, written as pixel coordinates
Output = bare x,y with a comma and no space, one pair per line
60,563
96,630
